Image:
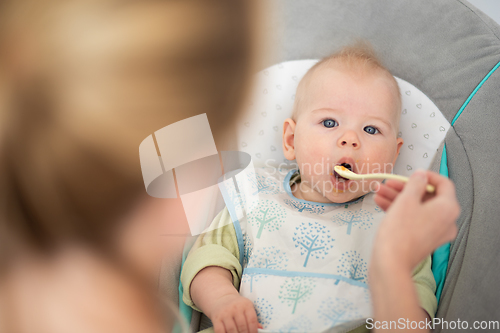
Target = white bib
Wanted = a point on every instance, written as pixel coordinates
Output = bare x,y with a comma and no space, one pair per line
305,263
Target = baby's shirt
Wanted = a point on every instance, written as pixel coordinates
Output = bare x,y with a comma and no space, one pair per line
308,265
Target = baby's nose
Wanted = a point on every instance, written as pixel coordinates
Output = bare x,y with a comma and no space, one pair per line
349,139
347,143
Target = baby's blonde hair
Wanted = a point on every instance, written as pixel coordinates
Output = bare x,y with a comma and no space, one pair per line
359,58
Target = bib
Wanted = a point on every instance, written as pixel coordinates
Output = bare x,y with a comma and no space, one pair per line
305,264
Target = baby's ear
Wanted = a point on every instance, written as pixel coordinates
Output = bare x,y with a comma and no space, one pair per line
399,144
288,139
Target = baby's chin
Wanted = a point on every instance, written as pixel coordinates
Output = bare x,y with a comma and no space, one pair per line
342,196
343,192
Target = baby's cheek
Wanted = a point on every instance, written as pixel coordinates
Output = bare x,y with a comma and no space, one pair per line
311,161
389,160
381,161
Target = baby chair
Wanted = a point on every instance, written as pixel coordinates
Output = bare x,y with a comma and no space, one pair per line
445,50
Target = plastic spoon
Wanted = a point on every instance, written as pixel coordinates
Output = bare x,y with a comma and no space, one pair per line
346,173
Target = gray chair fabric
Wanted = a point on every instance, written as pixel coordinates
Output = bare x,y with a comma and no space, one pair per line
445,48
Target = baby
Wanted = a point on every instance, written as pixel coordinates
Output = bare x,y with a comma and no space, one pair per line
298,263
346,112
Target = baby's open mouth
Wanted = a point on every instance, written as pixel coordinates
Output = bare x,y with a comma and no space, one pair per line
339,177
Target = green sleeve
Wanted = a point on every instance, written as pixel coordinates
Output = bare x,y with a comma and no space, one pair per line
426,286
218,247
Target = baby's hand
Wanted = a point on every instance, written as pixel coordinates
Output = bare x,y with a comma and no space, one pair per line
234,314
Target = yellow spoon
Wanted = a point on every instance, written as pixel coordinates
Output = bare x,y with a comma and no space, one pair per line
346,173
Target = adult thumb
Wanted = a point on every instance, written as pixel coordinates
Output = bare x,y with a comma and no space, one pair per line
416,186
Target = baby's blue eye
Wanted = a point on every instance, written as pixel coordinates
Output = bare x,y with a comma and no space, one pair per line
329,123
371,130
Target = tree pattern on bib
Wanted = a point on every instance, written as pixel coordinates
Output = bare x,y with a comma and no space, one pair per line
313,239
268,258
305,206
352,266
264,311
296,290
300,324
234,198
359,218
267,216
247,249
263,184
337,311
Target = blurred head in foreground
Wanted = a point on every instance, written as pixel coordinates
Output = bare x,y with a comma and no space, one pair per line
82,83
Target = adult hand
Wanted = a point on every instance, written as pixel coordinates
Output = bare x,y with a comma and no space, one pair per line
234,314
416,222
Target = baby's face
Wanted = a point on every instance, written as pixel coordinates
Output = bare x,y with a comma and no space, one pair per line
344,119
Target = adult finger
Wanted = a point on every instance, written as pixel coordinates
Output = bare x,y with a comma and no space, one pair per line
387,192
415,188
395,184
446,208
443,223
241,323
252,322
382,202
443,185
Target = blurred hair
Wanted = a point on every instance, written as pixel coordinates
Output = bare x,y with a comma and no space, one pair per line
359,58
83,82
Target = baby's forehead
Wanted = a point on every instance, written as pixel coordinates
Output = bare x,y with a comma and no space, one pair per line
319,80
326,76
335,70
